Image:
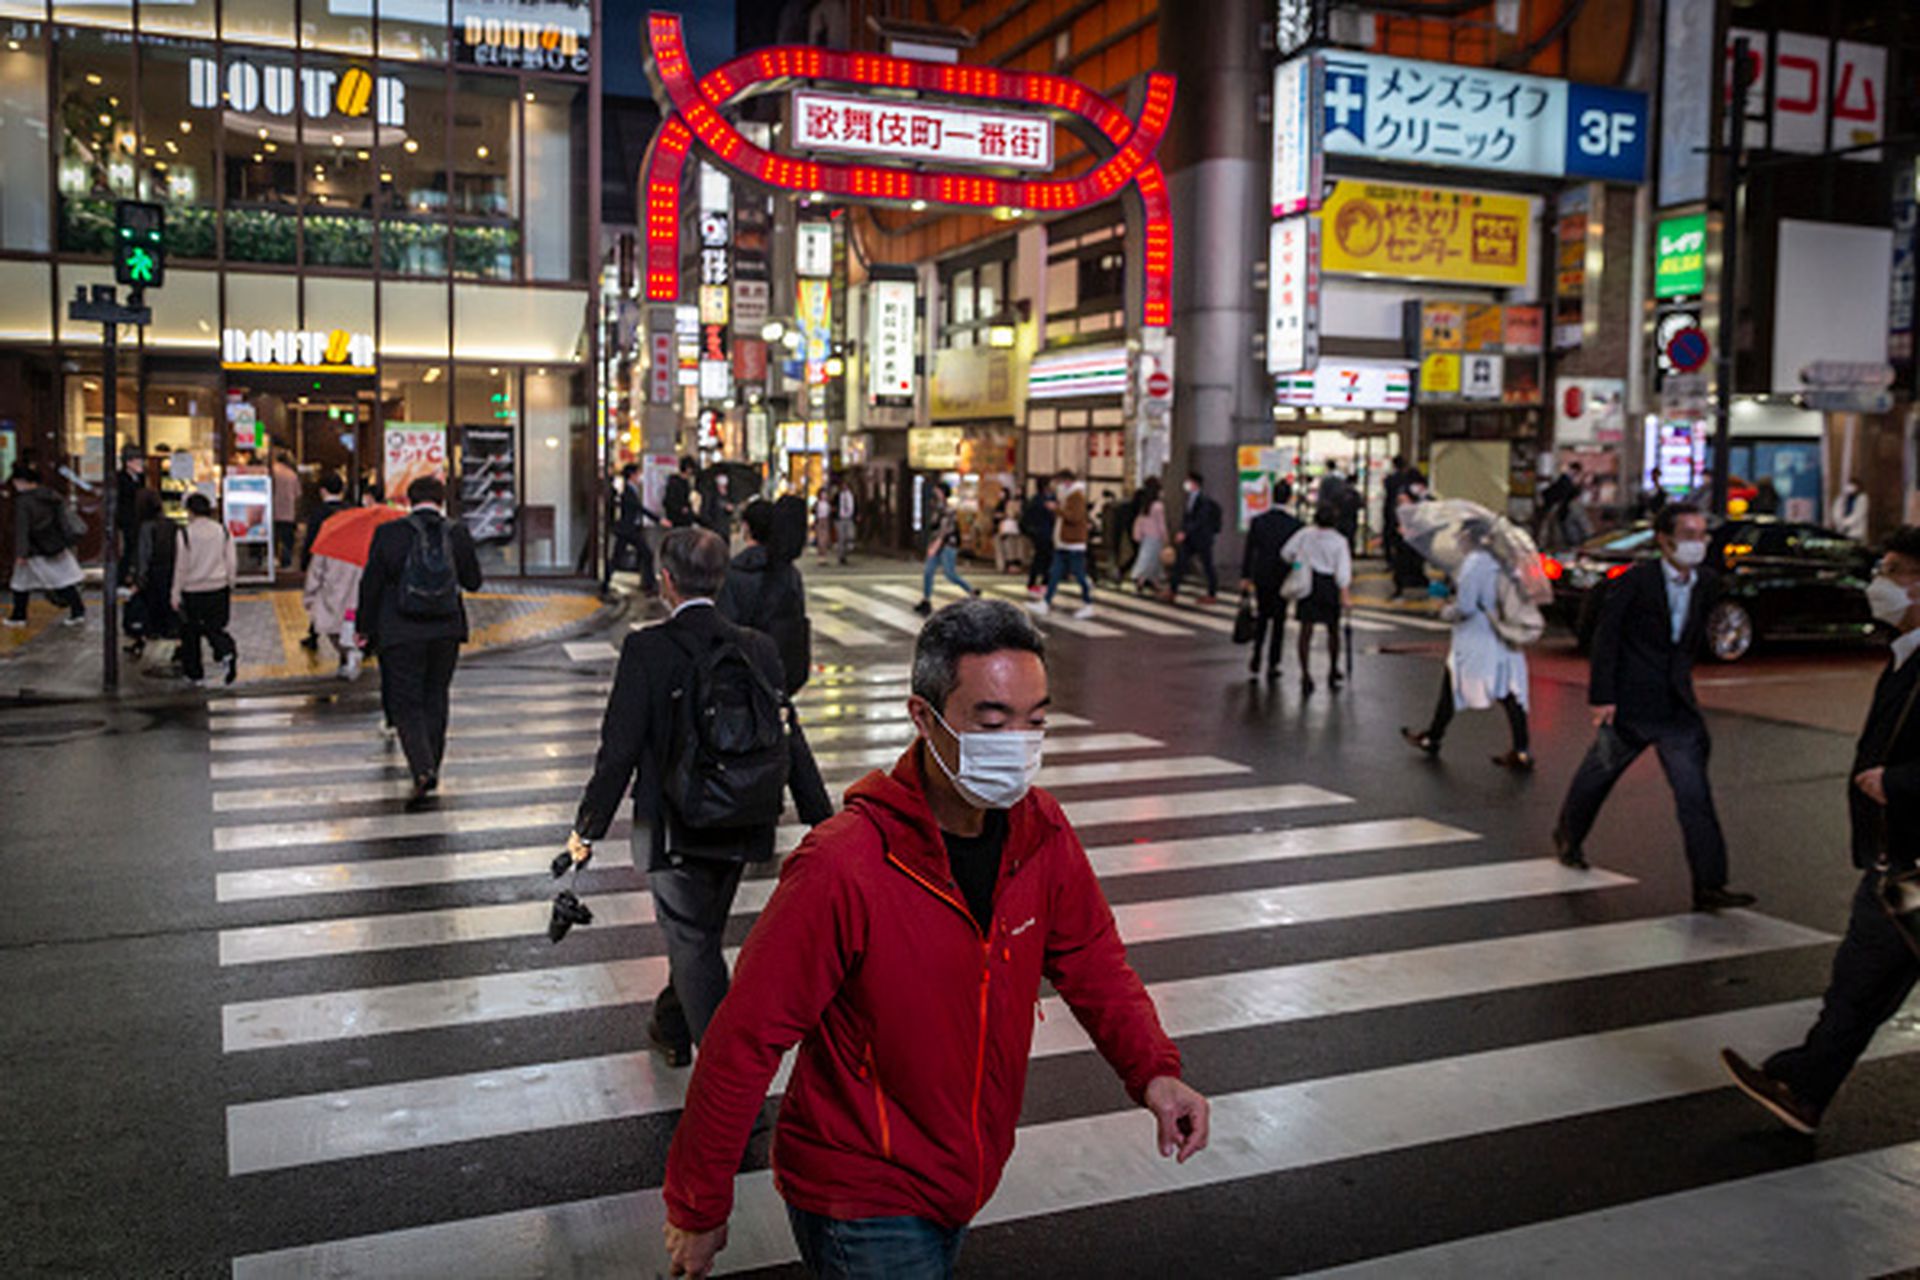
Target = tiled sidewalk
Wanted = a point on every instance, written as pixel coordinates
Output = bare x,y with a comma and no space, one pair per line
53,661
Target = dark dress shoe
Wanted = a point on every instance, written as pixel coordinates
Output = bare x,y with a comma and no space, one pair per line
1423,742
1335,679
1518,761
1569,853
1787,1107
1721,899
423,789
675,1053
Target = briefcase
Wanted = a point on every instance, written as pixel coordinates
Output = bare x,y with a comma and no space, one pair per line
1246,625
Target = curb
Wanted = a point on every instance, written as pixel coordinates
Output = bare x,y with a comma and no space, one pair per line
27,698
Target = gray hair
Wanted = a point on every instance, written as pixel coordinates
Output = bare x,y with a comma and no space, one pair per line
696,560
969,627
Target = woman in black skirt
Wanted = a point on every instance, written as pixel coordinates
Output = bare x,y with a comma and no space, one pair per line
1324,553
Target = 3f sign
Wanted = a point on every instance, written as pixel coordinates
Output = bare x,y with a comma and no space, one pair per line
1607,133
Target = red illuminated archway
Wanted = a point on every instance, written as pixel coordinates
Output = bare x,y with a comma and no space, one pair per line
693,110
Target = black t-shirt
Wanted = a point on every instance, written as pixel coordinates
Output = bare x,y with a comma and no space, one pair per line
975,863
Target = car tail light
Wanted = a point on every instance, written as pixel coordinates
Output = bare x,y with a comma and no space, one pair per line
1617,570
1552,568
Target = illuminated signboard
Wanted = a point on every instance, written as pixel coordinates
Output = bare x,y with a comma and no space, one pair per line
1293,294
1427,233
1474,118
532,35
1351,384
692,109
890,354
1680,256
319,93
297,350
1083,371
919,131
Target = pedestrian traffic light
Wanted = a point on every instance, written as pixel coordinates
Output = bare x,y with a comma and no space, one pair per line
140,244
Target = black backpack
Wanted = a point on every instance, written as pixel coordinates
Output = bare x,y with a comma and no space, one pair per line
728,764
429,584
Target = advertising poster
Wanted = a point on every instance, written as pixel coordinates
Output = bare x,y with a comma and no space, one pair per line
1426,233
247,506
413,450
1259,469
1442,326
1484,328
487,498
815,319
1440,375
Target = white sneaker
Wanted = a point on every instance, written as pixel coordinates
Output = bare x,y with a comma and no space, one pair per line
350,669
13,624
1040,607
71,621
1084,612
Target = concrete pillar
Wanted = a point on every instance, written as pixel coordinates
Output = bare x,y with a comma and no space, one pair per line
1216,157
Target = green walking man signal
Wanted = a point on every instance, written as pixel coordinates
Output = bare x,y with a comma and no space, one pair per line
140,244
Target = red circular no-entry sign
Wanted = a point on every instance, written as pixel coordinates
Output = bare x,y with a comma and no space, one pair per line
1159,385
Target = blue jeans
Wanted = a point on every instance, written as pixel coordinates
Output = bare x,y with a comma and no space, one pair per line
946,560
875,1248
1069,563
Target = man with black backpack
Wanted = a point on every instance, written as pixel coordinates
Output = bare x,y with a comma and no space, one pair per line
698,726
412,615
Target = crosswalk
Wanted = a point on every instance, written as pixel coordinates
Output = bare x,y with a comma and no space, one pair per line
1352,983
875,611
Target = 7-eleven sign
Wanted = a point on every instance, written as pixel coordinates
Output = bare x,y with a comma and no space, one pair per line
1347,385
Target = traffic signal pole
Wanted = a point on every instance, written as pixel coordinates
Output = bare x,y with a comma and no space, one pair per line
101,302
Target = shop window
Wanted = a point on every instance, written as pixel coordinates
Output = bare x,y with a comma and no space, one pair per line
26,302
107,15
992,289
558,469
485,171
187,312
340,103
1102,277
486,413
25,10
556,180
23,132
257,21
260,94
177,144
183,413
339,26
415,30
413,180
962,311
97,146
413,319
192,18
533,325
84,419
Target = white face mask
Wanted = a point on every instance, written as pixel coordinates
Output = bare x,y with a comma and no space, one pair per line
1888,600
996,768
1689,554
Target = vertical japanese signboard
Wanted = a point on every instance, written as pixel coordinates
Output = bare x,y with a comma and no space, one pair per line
1906,229
1293,294
1296,155
813,250
1680,256
890,342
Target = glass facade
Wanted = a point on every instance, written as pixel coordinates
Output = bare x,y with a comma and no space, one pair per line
378,211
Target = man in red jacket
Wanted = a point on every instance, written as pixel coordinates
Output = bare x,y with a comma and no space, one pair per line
903,952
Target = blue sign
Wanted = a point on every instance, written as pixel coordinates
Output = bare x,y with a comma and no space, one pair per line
1474,118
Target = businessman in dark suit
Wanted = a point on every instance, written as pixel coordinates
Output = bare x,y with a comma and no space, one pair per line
677,503
1876,965
693,874
1199,526
1262,571
418,651
629,530
1640,690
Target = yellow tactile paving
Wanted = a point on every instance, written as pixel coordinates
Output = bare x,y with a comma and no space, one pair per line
552,613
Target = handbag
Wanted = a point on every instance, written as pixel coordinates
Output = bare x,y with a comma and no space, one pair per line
1298,584
1246,625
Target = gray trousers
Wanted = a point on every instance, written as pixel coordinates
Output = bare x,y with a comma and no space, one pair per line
691,903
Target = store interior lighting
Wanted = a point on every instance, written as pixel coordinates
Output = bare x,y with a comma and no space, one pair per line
1000,335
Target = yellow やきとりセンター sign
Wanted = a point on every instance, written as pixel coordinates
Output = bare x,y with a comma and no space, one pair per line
1426,233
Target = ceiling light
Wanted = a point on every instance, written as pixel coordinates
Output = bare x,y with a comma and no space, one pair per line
186,126
263,131
481,151
361,155
106,120
339,141
411,146
13,45
173,148
433,374
93,77
258,158
386,177
161,165
494,372
918,206
149,151
271,147
529,95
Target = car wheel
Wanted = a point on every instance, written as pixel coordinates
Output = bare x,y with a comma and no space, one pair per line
1729,631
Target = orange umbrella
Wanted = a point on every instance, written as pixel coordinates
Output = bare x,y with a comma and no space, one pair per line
348,534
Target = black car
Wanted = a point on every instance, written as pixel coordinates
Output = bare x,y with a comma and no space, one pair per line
1780,580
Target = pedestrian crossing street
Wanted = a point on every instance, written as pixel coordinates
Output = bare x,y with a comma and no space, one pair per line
418,1084
874,612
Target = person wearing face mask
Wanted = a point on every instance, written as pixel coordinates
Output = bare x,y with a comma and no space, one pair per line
1199,526
903,953
1877,963
1640,690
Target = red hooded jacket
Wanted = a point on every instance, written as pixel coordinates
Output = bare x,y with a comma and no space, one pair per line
914,1026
